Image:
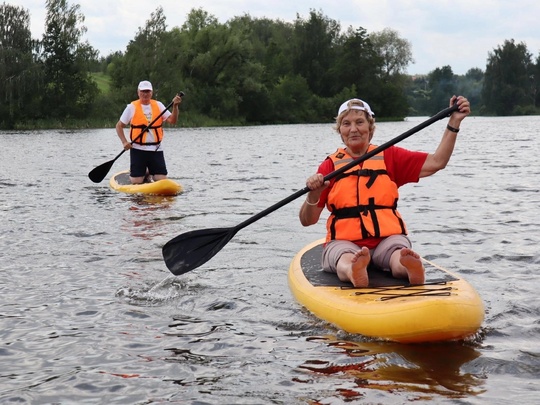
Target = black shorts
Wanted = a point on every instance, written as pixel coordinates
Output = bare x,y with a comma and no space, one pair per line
143,159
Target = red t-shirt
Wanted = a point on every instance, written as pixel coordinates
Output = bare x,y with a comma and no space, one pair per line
403,166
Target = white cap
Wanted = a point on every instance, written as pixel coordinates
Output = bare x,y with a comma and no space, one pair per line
145,85
345,106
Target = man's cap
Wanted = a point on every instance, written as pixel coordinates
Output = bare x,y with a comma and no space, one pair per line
145,85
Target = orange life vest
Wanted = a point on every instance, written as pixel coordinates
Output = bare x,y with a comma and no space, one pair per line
363,200
140,121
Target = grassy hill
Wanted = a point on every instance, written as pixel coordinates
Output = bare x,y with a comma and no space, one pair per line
103,82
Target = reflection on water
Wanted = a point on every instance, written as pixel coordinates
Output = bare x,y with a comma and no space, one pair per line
145,215
427,370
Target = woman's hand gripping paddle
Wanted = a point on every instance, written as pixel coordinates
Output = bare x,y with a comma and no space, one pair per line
98,174
192,249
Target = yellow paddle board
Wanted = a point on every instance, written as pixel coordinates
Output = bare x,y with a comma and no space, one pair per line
445,308
120,182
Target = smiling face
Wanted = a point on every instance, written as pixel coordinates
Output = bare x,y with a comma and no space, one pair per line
145,96
356,131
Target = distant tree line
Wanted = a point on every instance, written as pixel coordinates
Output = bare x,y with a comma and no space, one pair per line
245,71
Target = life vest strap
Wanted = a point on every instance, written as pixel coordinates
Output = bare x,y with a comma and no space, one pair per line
363,210
354,212
153,127
372,174
144,126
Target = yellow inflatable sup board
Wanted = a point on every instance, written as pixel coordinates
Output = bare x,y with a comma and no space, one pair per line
167,187
445,308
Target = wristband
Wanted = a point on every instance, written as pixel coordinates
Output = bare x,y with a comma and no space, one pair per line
450,128
312,204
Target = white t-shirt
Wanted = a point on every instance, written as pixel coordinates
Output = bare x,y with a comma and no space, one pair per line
128,114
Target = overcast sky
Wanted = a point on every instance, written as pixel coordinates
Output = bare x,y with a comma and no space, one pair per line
458,33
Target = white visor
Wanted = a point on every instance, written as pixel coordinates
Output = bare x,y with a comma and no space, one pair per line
345,106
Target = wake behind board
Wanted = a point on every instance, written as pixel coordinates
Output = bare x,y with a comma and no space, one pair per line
445,308
167,187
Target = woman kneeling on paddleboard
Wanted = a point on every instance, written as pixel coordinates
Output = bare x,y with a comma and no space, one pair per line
364,225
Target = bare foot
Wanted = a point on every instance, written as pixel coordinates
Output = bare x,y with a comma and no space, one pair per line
414,266
359,264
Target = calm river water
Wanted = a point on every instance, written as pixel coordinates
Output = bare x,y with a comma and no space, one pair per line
90,314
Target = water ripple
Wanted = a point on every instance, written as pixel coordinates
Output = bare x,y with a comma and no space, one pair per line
90,314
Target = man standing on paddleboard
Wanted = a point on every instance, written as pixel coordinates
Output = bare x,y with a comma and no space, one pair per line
145,117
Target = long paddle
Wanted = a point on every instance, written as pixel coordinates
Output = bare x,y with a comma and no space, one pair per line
98,174
190,250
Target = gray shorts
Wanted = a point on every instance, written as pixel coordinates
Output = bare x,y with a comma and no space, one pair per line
380,256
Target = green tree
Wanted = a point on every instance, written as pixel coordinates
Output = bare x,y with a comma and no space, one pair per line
418,95
292,99
243,71
69,86
272,46
220,65
442,85
20,75
536,83
357,65
271,50
508,82
395,52
143,59
314,50
470,86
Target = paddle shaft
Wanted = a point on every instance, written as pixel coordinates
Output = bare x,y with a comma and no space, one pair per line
440,115
190,250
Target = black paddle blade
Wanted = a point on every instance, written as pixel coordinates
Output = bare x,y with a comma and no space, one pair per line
192,249
98,174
